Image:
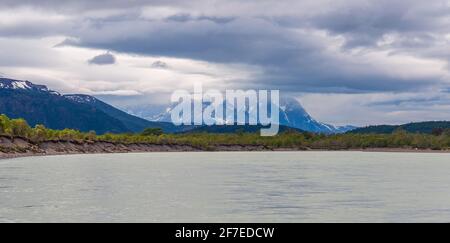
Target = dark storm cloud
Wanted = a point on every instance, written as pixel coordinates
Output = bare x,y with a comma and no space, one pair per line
280,38
104,59
244,40
366,22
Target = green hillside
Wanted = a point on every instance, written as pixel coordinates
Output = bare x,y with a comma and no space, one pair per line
419,127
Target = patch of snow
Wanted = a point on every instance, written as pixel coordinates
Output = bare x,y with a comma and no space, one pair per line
20,85
81,98
54,93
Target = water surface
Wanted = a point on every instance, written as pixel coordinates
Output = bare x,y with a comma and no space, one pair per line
227,187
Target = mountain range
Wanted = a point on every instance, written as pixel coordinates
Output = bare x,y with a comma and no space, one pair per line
39,105
292,114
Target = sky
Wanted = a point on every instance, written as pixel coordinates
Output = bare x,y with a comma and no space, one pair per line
358,62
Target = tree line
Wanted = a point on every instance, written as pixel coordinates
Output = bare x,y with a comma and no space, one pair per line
438,140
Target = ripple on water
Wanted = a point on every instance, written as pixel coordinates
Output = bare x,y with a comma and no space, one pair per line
234,187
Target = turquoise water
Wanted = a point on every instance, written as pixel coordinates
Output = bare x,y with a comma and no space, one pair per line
227,187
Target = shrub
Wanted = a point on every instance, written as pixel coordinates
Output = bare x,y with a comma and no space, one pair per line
39,133
90,136
438,131
5,123
400,138
152,132
19,127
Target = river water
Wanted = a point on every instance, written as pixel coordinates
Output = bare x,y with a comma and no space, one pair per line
227,187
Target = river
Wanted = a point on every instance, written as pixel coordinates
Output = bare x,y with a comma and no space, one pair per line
227,187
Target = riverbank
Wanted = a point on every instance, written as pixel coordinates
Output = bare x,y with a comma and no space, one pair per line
22,147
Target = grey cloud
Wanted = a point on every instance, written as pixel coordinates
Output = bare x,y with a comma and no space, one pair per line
32,30
73,4
189,17
160,64
420,28
80,6
273,38
289,59
104,59
413,102
244,40
364,23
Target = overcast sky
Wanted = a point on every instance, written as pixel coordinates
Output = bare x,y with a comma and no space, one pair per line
350,62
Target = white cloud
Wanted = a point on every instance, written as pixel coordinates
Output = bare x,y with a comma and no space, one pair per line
20,16
65,69
360,61
118,93
158,12
378,108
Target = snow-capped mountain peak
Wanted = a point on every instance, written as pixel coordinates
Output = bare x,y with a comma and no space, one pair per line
14,84
11,84
292,114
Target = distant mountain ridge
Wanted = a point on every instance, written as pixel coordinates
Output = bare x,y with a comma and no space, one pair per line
39,105
12,84
133,123
417,127
292,114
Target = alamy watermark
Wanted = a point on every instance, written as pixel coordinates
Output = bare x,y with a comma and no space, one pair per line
236,107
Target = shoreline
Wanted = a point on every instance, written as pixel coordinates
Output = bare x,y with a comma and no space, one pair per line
4,156
21,147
